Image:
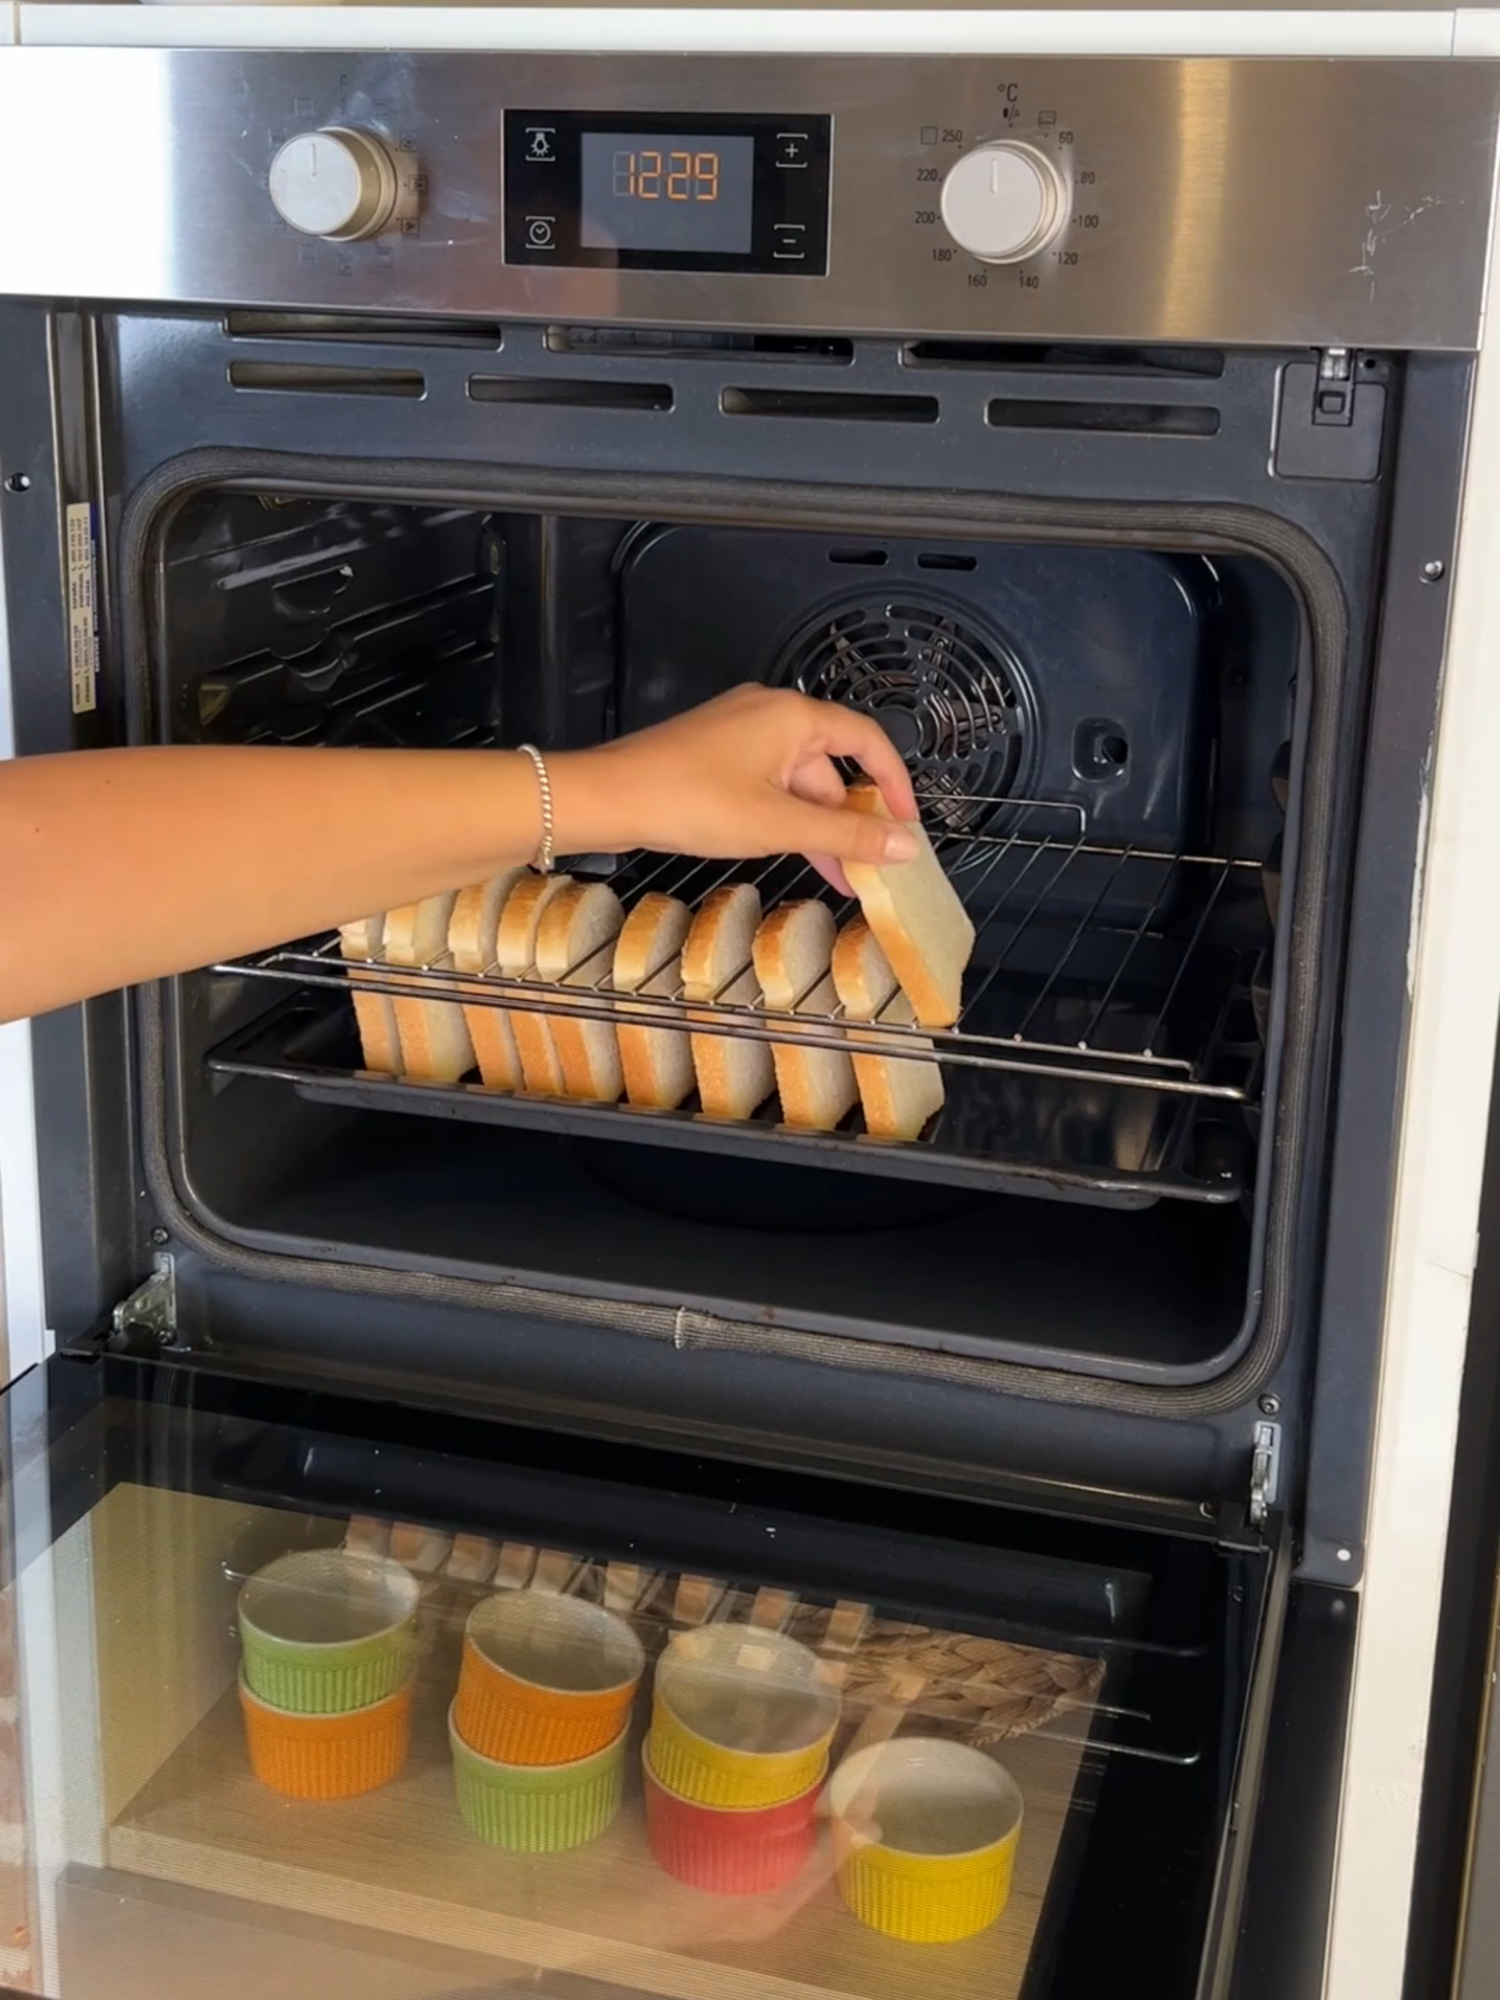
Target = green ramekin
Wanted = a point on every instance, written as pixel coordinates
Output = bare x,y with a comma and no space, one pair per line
538,1808
323,1631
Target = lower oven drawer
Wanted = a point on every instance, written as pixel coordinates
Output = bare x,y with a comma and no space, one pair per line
514,1709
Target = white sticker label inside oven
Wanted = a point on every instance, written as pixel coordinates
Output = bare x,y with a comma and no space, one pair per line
83,608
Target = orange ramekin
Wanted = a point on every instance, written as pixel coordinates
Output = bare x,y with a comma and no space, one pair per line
327,1756
546,1679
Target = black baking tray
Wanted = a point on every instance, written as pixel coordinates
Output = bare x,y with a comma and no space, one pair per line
1000,1131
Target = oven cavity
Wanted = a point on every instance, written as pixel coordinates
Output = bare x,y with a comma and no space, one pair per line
1093,732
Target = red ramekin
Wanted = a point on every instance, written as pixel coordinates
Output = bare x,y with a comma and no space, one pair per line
729,1852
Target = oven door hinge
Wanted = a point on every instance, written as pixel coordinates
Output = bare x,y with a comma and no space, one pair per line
1330,416
1265,1472
148,1318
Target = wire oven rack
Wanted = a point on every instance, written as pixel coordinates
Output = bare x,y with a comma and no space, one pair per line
1105,1047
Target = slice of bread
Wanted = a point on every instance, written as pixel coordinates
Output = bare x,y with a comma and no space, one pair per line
720,940
735,1074
914,911
472,941
862,974
899,1093
652,935
374,1013
792,951
575,944
657,1062
816,1085
435,1045
515,952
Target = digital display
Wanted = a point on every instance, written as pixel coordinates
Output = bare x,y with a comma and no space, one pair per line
698,191
679,192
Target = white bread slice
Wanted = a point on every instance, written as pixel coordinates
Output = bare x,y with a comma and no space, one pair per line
816,1085
471,940
862,975
735,1073
652,934
374,1013
720,940
793,948
914,911
435,1045
899,1093
657,1062
515,952
575,947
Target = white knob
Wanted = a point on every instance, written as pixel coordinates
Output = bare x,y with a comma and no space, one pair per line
339,184
1004,202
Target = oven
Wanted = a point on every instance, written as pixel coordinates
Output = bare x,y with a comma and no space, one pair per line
1102,427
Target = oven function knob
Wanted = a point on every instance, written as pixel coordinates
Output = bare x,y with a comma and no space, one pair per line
339,184
1005,202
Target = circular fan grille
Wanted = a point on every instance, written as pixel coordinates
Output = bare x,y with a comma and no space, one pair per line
953,700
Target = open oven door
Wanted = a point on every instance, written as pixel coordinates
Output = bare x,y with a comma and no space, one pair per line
1122,1673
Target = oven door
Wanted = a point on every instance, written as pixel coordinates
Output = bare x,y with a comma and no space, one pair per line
1083,1710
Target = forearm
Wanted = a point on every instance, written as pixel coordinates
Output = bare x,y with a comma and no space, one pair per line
126,865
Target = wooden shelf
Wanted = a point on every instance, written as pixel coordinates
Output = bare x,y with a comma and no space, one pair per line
401,1861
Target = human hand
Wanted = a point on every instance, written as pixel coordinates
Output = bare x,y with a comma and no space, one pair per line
750,773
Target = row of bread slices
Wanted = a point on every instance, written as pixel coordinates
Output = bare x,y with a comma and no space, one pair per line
554,930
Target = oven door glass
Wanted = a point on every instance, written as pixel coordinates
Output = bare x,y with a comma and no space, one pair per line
310,1697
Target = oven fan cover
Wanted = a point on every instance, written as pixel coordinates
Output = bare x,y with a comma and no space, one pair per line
952,697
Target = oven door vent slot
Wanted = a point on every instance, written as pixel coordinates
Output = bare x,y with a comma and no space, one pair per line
1010,413
308,379
1007,357
569,393
689,345
365,329
829,406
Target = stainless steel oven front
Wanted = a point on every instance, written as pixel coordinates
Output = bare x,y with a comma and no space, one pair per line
1101,428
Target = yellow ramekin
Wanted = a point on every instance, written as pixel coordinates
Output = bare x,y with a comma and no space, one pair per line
742,1718
925,1835
327,1756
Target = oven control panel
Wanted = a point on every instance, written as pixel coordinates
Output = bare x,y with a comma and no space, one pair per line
1219,202
619,190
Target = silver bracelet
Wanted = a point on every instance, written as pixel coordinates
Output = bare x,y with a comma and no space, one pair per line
542,860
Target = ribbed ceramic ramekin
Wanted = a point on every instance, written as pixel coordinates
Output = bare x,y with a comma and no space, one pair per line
327,1756
546,1679
729,1853
925,1835
537,1808
741,1718
324,1630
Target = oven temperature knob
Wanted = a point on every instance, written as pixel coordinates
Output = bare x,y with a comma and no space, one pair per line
1004,202
339,184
